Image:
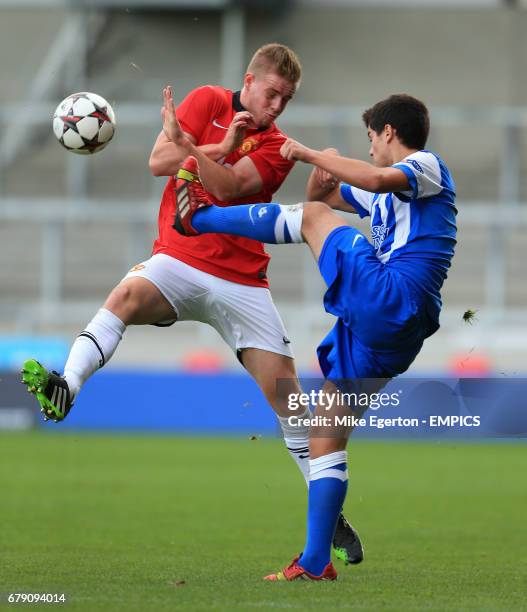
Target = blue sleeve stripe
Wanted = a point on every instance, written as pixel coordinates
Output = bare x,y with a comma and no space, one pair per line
410,176
347,195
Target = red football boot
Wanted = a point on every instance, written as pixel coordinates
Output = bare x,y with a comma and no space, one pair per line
190,196
296,572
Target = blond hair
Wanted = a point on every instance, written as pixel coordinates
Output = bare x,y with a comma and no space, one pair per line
278,58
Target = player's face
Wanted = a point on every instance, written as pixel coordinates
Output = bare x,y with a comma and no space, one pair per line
379,150
266,96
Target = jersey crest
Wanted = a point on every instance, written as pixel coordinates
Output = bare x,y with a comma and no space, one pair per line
248,145
378,234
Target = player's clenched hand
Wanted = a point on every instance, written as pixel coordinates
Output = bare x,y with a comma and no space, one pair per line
325,179
171,125
293,150
236,132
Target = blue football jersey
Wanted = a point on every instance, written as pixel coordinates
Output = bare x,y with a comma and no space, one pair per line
414,231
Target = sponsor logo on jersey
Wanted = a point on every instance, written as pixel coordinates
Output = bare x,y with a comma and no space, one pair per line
286,340
378,234
416,165
138,267
357,237
218,125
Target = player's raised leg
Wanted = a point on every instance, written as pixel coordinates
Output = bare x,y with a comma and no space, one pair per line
309,222
135,301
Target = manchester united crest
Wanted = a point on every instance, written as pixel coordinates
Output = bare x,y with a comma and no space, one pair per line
248,145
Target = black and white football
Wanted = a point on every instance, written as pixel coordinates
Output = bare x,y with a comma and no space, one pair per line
84,123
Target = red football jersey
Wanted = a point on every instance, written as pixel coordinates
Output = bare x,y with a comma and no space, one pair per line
206,113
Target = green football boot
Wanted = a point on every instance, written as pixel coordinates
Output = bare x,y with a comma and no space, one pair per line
50,389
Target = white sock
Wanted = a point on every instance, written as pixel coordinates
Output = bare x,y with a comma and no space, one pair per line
290,217
297,442
93,348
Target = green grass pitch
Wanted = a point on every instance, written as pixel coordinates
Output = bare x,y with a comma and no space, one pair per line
164,523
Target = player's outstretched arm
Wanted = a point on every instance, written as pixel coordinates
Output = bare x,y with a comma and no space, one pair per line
167,155
355,172
224,183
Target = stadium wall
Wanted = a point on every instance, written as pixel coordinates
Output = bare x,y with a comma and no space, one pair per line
451,57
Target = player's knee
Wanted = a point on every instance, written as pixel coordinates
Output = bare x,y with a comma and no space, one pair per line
121,295
318,447
277,393
123,302
313,212
280,388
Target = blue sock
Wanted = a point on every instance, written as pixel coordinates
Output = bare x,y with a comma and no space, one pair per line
328,483
272,223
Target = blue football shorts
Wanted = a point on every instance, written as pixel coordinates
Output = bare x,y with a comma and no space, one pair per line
382,321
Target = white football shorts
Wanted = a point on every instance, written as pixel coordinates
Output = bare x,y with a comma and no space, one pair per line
244,316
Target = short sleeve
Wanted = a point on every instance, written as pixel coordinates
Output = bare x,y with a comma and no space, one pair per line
196,110
423,172
360,200
271,166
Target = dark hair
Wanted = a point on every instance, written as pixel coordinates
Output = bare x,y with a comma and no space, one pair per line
407,115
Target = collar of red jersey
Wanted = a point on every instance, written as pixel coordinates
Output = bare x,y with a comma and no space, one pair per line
238,107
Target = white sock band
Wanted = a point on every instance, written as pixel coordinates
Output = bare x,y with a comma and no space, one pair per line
291,216
322,467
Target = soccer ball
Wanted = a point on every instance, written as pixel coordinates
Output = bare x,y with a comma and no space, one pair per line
84,123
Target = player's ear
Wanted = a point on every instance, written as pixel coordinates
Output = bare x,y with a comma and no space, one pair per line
389,132
248,80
